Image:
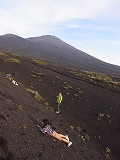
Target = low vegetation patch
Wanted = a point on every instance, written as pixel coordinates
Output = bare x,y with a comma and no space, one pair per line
95,76
67,87
21,84
35,93
17,55
23,126
37,74
12,60
98,76
75,72
19,107
40,62
48,106
57,77
83,136
101,115
2,54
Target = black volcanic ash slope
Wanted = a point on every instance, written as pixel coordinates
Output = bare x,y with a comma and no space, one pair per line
79,115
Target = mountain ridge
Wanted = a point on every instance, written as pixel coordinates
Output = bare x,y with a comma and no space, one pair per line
53,49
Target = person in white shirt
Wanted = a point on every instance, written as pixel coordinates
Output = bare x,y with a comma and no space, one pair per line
14,82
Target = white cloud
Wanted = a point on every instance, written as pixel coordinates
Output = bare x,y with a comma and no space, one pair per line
40,11
81,20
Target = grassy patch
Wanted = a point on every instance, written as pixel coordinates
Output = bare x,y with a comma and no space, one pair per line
23,126
2,54
35,93
98,76
40,62
101,115
19,108
22,85
37,75
12,60
83,136
57,77
95,76
48,106
17,55
67,87
75,72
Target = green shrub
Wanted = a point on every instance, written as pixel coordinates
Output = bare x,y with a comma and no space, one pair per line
37,75
76,95
78,129
23,126
40,62
2,54
12,60
98,76
19,108
101,115
71,127
38,96
48,106
22,85
67,87
80,92
57,77
87,136
35,93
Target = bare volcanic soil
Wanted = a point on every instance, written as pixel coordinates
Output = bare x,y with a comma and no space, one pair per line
89,113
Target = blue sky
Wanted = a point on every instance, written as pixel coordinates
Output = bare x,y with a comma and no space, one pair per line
90,26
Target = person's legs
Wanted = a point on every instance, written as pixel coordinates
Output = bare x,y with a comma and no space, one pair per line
63,138
60,137
66,139
58,107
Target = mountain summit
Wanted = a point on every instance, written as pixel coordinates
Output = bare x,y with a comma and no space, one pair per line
53,49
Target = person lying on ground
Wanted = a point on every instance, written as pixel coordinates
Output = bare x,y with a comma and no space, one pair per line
9,76
14,82
46,129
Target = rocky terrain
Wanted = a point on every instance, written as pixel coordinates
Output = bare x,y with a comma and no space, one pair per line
89,111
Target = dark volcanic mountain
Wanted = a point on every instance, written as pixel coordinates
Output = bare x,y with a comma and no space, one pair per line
89,112
53,49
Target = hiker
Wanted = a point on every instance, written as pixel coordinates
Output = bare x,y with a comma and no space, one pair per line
59,100
46,129
9,76
14,82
